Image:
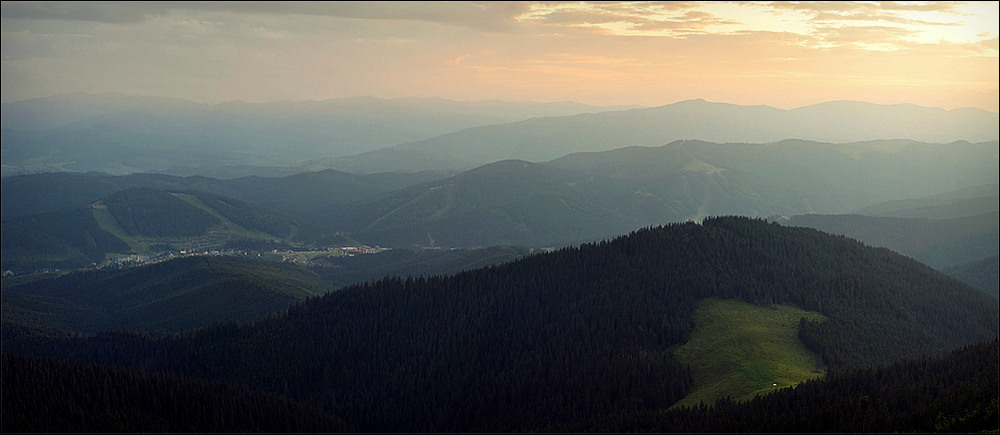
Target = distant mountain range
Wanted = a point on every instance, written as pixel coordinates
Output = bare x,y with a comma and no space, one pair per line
956,232
964,202
945,230
543,139
589,196
578,197
122,134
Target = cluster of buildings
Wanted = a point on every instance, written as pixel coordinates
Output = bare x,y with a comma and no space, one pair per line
360,249
306,257
301,257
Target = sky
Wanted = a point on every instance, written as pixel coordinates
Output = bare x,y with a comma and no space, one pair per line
781,54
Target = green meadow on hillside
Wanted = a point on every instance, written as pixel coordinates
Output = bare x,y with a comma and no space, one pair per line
741,350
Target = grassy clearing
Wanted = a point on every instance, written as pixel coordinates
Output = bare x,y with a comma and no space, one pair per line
741,350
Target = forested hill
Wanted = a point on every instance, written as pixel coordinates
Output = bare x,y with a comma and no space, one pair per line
566,336
142,221
935,242
183,293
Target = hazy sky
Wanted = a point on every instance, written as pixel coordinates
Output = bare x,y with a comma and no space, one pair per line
783,54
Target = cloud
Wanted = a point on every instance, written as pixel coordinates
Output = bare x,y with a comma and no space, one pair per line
871,16
216,51
268,34
457,60
391,40
574,59
842,6
691,21
864,33
577,17
101,12
815,6
490,16
24,45
990,44
868,11
628,18
880,38
949,6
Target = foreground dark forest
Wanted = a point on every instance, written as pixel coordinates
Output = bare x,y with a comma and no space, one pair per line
554,340
956,392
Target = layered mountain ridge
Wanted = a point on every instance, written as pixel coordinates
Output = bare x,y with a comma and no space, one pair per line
543,139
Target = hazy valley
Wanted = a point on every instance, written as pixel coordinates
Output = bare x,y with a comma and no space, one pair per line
472,273
122,134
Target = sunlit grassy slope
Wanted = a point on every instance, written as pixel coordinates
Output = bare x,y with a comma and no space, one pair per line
741,350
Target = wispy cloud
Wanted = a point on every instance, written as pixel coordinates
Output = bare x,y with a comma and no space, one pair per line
877,17
862,35
490,16
849,7
613,18
457,60
574,59
101,12
390,40
990,44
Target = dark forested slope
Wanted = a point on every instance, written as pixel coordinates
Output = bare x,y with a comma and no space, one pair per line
564,336
155,213
64,239
180,294
981,274
42,395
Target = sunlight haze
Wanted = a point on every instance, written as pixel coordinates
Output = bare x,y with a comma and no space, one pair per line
782,54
